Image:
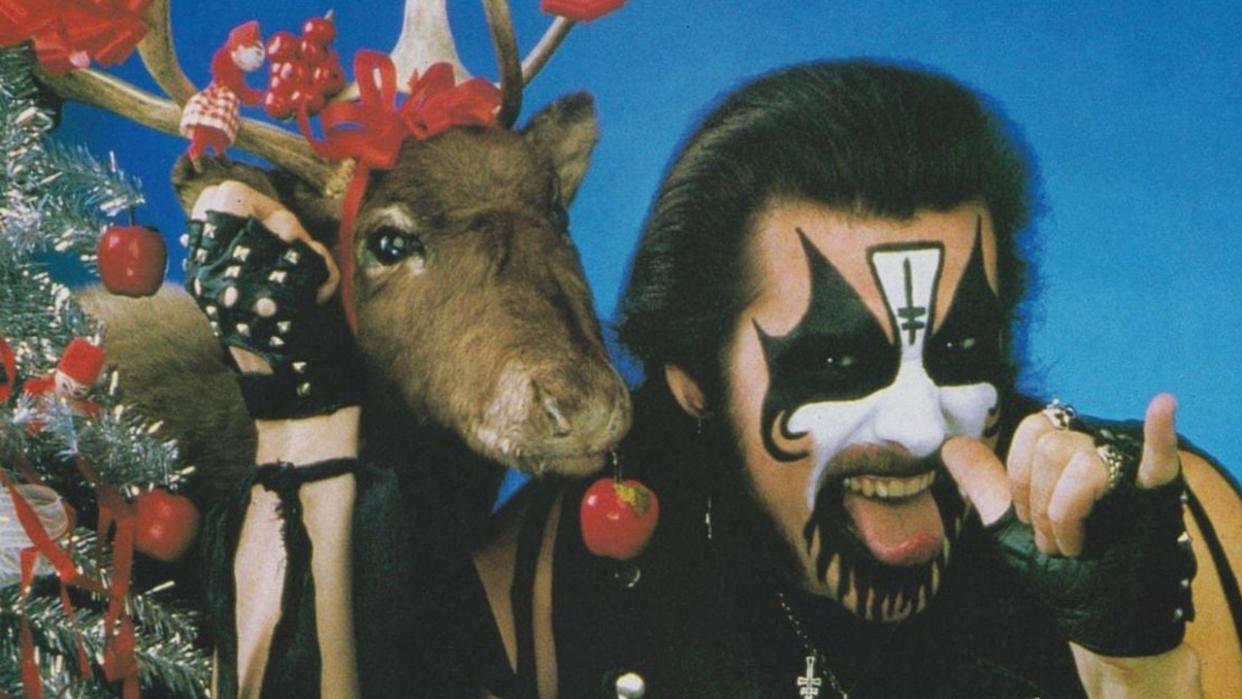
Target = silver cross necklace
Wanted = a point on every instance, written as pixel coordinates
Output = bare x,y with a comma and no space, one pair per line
810,683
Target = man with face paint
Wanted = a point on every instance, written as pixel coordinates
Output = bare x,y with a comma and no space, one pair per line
854,499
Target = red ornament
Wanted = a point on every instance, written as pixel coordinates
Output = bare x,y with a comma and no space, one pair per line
580,10
618,518
320,30
313,53
167,524
277,105
8,370
328,77
132,260
283,47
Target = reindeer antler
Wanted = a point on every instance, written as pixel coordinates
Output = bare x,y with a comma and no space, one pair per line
425,39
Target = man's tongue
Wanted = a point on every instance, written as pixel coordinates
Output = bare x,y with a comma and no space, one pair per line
902,532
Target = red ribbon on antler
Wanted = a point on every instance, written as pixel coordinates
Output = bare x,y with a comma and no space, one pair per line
68,34
373,128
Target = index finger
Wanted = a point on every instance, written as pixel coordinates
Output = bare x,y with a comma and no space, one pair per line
1161,462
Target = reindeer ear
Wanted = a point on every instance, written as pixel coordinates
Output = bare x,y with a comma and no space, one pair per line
567,131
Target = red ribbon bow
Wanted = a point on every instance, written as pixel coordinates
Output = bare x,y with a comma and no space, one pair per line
373,128
68,34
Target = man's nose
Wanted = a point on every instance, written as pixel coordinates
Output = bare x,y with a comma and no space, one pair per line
909,412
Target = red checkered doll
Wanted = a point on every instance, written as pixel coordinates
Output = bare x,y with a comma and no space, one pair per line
211,117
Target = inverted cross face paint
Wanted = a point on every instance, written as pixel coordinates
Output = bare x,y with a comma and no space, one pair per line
872,341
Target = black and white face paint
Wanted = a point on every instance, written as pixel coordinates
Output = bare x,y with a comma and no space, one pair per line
838,378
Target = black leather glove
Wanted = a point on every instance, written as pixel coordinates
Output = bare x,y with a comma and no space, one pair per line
258,293
1128,593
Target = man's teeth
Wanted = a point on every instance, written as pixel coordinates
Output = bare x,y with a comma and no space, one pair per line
888,487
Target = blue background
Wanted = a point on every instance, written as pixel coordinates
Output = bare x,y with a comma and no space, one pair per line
1132,113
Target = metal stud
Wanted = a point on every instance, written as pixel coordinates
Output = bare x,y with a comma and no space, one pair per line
243,329
304,389
1184,497
276,341
241,252
1185,583
284,326
198,286
299,367
278,276
265,307
228,297
631,685
184,239
209,231
292,257
215,328
200,255
1184,539
1179,614
210,310
232,272
185,264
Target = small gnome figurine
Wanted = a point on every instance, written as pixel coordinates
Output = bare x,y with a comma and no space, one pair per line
75,373
211,118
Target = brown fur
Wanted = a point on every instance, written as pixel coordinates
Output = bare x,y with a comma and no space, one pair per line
492,337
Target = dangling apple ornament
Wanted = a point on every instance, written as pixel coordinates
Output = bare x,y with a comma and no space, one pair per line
618,517
167,524
132,260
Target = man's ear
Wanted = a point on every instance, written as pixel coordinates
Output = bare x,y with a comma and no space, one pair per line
686,390
567,131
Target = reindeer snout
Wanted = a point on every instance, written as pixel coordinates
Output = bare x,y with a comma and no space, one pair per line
561,418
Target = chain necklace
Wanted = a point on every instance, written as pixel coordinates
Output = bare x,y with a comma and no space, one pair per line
809,684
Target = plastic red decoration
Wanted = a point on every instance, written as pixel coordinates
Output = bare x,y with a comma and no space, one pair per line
69,34
132,260
580,10
167,524
618,518
8,370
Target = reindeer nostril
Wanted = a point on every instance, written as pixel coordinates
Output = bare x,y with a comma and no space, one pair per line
561,426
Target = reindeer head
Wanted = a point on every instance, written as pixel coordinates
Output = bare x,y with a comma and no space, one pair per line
471,305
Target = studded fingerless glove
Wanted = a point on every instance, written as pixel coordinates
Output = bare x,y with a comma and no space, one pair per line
258,293
1128,593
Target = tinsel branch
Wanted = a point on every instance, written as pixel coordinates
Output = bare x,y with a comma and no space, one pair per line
171,661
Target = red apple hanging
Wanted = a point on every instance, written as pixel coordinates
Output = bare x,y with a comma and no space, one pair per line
132,260
618,517
167,524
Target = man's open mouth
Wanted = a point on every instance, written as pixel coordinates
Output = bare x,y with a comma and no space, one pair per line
889,487
895,518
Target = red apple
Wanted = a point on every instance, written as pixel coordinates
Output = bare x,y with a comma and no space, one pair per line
132,260
321,30
618,518
283,47
167,524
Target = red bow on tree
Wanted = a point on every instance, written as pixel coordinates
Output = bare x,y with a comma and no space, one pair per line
69,34
373,128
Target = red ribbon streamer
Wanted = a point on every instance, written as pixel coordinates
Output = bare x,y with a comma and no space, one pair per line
68,34
372,129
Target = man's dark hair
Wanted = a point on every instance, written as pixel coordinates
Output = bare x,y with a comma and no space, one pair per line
858,136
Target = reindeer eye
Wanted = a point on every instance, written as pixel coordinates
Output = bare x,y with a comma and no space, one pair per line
390,245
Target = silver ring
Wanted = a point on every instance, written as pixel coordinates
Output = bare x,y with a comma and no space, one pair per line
1114,463
1060,414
